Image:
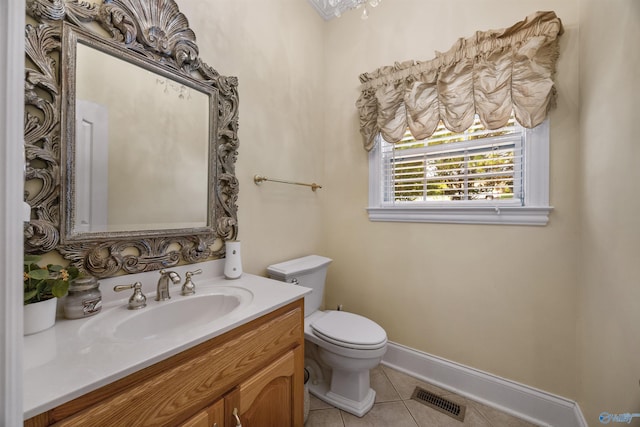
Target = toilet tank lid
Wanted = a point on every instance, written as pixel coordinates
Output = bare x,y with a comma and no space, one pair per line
301,265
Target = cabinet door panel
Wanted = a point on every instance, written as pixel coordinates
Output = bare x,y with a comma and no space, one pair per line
271,407
201,419
213,416
216,414
267,398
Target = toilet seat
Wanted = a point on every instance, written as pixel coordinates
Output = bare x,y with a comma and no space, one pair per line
349,330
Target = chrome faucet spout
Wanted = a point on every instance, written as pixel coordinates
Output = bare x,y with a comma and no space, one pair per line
163,284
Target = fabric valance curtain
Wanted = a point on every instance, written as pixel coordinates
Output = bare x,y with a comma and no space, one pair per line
490,74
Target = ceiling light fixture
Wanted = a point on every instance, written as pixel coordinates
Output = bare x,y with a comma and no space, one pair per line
340,6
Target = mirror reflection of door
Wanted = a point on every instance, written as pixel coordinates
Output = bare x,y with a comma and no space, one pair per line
92,166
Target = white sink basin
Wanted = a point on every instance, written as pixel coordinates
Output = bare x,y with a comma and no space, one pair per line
177,314
161,319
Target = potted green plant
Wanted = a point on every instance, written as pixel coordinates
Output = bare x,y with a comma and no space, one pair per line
42,285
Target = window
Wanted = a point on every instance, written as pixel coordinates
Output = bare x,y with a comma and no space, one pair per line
477,176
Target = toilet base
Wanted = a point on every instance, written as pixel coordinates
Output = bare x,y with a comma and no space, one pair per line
358,408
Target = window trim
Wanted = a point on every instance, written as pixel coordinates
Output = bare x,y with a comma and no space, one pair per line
535,210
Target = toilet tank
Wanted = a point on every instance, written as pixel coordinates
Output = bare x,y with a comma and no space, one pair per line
309,271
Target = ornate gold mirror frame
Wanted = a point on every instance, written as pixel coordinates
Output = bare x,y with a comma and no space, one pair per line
155,32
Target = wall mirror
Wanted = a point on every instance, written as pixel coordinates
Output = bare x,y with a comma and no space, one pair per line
130,138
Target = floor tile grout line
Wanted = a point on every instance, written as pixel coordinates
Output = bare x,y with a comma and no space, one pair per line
404,403
384,372
482,414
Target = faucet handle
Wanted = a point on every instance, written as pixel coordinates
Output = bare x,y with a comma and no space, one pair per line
137,300
189,288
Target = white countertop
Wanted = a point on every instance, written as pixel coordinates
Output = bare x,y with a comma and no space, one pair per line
64,362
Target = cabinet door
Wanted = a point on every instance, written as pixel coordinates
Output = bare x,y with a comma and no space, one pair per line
271,398
213,416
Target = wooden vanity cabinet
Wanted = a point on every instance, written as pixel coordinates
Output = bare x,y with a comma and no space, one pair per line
254,371
213,416
262,399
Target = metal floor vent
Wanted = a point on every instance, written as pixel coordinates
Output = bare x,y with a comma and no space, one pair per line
439,403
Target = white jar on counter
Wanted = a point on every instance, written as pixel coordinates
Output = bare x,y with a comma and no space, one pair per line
84,298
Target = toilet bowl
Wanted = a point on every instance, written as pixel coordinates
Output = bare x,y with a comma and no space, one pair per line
341,347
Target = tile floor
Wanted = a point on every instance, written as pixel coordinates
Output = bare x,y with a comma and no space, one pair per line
394,408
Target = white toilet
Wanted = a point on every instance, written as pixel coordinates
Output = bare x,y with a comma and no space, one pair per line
341,348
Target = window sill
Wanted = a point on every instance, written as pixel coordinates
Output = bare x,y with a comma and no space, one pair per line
506,215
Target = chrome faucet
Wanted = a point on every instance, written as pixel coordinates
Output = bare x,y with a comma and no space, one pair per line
163,284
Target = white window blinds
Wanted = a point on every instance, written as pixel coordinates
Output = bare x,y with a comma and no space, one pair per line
478,176
472,167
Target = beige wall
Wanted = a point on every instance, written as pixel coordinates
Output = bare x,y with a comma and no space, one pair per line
497,298
275,50
609,288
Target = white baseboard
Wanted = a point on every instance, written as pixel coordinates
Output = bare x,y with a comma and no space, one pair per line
524,402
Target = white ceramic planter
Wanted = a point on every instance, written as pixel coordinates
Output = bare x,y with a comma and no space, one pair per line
39,316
